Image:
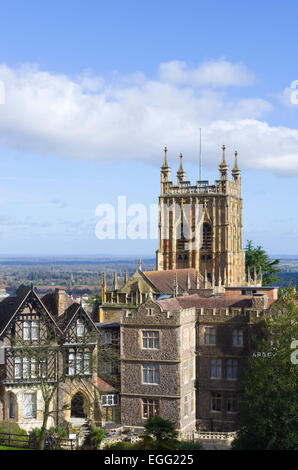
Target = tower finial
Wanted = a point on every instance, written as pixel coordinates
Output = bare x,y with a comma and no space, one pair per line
223,166
103,288
223,161
236,167
236,171
181,173
188,282
165,163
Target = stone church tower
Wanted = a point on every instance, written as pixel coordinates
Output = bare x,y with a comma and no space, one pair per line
200,226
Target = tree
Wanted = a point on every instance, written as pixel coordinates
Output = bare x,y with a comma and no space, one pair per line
163,431
257,257
47,366
269,403
109,352
94,438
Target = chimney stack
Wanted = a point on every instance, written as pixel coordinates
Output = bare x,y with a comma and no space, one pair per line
61,303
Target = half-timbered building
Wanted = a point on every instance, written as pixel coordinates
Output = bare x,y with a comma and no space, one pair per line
49,359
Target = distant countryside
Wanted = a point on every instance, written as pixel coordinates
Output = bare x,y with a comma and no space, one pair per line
82,275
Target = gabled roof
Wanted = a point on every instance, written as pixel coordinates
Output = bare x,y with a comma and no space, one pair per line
10,307
163,281
70,313
104,386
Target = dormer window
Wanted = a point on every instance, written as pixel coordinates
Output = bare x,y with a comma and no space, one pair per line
80,328
31,330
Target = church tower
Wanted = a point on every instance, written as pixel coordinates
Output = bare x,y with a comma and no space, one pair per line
200,226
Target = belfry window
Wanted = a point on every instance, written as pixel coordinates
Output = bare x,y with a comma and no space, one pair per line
207,237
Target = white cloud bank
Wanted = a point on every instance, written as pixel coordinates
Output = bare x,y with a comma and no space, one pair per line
135,117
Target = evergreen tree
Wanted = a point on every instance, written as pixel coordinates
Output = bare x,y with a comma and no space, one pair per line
269,404
257,257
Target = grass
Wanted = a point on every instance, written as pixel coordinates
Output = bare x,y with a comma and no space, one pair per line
12,448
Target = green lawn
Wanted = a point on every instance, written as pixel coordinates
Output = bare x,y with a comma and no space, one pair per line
12,448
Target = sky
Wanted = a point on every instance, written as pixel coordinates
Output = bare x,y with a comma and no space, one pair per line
92,91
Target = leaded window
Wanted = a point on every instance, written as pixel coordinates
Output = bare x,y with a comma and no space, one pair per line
232,368
29,405
29,368
237,337
150,373
31,330
79,363
80,328
215,369
150,339
106,337
210,336
232,403
109,400
150,407
216,401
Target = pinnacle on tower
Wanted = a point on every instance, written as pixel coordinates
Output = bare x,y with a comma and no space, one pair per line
223,163
236,171
103,287
181,173
188,283
236,168
223,166
165,165
165,171
197,279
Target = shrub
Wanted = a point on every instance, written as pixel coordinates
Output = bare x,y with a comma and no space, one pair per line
94,438
120,446
13,428
189,445
9,427
58,432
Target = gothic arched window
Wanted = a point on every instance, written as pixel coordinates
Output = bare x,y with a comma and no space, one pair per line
207,236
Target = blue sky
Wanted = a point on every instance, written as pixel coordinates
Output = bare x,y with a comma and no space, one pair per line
95,89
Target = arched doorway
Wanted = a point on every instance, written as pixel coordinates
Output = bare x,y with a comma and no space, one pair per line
79,406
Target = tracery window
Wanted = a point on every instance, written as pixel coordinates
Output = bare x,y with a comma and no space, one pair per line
207,237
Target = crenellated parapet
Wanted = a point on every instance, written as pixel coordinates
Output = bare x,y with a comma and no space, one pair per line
221,315
200,224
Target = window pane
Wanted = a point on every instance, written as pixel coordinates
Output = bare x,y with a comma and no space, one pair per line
26,368
29,405
35,330
80,328
26,331
17,368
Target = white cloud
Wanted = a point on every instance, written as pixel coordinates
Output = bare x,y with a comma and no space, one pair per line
133,117
212,73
